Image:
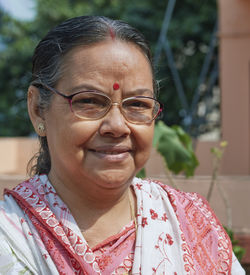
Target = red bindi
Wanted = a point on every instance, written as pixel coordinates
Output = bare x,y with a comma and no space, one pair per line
116,86
112,33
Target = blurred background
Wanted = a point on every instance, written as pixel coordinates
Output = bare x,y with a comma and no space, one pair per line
202,61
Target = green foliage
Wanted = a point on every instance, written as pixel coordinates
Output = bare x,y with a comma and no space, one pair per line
238,250
141,174
176,148
218,151
189,34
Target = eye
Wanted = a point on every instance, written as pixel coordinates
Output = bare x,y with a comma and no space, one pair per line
139,103
89,100
86,101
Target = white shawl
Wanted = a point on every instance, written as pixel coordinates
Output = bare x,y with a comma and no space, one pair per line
177,233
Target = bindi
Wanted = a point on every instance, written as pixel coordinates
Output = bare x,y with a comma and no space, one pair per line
116,86
111,33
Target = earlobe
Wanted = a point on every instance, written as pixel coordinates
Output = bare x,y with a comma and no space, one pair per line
34,110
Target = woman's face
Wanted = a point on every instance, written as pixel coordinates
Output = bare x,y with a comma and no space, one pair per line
109,151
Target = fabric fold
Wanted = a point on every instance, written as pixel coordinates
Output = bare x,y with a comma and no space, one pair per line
176,233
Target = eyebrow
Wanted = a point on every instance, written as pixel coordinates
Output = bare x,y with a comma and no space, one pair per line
84,87
89,87
141,91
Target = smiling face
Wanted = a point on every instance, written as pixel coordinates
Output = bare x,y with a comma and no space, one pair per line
105,153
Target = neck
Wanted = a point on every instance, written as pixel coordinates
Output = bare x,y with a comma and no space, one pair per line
97,198
96,206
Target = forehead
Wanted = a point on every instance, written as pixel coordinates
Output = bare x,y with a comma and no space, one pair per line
107,61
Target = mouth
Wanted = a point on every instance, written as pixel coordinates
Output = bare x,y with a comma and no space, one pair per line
108,152
112,150
112,153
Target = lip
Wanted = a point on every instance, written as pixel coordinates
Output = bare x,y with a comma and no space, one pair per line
111,153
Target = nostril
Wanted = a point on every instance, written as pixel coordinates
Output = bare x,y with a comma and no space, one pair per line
115,125
114,134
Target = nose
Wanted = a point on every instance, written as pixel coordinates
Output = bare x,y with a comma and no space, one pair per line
114,124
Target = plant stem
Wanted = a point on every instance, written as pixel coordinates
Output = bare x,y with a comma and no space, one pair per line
216,165
214,177
169,175
227,204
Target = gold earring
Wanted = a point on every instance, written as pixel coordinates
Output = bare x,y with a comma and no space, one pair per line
41,127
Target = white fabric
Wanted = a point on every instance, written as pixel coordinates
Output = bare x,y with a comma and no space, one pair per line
159,241
147,256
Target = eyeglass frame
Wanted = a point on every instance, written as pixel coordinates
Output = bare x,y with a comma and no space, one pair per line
69,99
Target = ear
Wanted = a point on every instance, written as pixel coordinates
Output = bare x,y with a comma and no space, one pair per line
34,110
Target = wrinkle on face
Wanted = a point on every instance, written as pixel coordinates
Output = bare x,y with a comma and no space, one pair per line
72,140
99,70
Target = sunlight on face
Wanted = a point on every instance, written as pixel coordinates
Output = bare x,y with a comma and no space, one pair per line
109,151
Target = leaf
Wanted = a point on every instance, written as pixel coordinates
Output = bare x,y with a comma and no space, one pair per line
239,251
217,152
176,148
223,144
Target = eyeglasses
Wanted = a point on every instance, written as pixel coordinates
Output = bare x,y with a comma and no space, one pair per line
93,105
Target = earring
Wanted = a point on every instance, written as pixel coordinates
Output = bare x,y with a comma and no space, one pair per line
41,127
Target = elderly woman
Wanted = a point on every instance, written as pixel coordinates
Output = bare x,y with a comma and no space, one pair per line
92,103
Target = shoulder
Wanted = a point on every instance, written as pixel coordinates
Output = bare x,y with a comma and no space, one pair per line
174,195
18,246
198,223
9,206
9,263
187,205
13,218
12,239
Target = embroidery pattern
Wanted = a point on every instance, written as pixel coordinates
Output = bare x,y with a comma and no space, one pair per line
70,254
58,239
209,245
178,230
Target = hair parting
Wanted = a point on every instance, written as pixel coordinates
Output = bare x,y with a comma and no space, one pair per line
111,32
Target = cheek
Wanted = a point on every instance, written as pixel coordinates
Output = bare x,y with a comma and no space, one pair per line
68,138
143,142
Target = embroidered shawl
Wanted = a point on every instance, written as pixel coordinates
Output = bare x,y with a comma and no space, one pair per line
177,233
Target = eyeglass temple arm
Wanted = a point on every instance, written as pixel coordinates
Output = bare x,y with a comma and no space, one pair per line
47,87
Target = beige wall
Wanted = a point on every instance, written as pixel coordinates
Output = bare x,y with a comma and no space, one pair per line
234,35
15,154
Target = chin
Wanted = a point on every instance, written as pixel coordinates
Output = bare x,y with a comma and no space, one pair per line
115,179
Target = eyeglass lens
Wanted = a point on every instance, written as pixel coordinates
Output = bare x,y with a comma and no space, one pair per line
92,105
